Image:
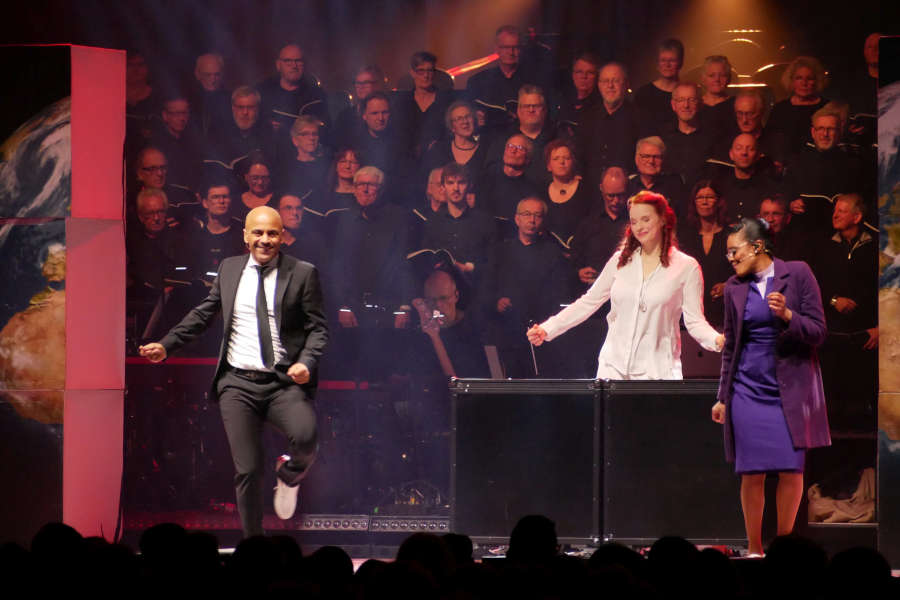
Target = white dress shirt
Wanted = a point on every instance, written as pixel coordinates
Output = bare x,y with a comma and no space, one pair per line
644,339
763,277
243,344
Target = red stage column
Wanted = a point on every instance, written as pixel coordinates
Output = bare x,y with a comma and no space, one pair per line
95,298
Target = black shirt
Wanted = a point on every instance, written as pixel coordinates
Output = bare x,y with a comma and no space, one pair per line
208,249
465,347
494,93
742,196
850,270
596,239
572,110
655,108
499,194
152,259
818,177
714,266
307,99
666,184
210,110
535,277
563,218
389,153
184,154
302,177
309,245
789,124
230,143
605,139
441,153
468,238
536,170
686,153
420,128
369,257
719,120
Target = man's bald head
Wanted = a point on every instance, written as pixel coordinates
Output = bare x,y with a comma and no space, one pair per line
209,71
612,186
441,294
262,233
439,282
261,212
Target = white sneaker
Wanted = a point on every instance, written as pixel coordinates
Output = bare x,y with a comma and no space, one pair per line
285,499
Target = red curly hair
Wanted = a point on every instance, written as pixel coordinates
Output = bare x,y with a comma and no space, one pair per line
630,243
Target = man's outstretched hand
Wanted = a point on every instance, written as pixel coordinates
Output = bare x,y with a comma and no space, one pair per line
154,352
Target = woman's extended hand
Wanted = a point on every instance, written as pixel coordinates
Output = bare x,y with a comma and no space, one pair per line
718,413
536,335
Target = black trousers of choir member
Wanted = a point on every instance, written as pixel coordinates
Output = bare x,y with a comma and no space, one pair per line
245,406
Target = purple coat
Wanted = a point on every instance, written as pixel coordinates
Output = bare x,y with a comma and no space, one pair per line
797,365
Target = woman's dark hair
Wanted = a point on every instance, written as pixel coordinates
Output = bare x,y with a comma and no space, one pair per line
754,230
421,57
673,45
661,205
332,172
693,218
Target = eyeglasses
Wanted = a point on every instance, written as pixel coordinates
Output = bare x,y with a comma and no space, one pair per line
370,184
831,130
528,215
689,101
731,252
462,118
516,147
650,156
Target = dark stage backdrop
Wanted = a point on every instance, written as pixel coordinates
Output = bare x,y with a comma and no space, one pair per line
341,35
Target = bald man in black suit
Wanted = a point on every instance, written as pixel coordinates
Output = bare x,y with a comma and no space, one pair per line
275,333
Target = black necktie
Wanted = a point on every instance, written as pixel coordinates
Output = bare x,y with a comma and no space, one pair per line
262,318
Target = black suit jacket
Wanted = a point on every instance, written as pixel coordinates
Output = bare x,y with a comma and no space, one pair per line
299,315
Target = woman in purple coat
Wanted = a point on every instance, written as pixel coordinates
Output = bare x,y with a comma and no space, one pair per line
770,394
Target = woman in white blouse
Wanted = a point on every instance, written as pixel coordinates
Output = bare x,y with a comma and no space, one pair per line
650,285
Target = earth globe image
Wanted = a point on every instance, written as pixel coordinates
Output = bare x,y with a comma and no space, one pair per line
35,194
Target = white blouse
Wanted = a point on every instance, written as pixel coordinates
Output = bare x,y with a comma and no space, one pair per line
644,340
